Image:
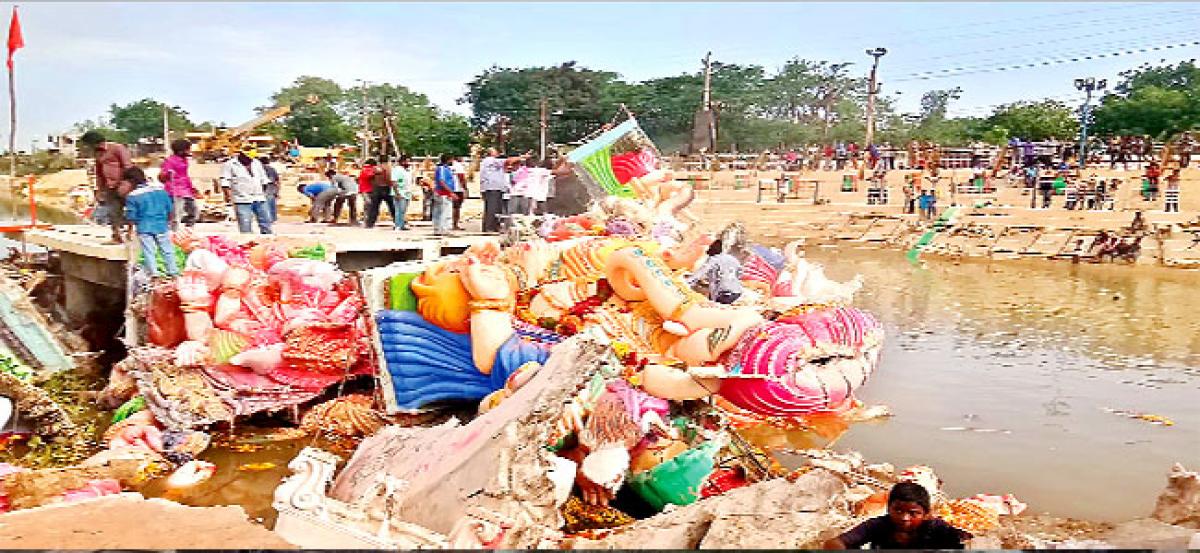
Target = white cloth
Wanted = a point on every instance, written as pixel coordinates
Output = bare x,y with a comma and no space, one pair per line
539,184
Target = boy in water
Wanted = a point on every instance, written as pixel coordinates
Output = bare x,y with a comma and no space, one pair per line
907,525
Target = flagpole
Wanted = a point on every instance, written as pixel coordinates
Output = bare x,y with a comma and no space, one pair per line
12,139
14,41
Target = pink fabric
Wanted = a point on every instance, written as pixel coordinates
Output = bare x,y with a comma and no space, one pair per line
803,364
180,184
756,269
629,166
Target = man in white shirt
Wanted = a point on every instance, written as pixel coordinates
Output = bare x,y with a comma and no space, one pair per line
493,185
244,180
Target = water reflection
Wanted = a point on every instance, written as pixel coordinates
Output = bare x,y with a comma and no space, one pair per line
999,374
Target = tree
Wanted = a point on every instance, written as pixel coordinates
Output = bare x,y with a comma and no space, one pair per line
1033,121
576,95
144,119
1158,101
418,126
318,124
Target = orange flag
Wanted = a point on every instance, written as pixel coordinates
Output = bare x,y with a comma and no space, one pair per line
15,40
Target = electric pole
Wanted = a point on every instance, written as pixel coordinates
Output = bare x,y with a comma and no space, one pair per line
710,117
872,90
501,128
366,130
543,124
1088,85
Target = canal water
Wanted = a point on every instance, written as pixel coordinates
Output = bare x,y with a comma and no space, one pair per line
1000,375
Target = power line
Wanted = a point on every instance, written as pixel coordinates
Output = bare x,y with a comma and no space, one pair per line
960,71
1057,40
1120,45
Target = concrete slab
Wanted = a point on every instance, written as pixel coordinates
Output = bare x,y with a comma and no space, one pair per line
417,243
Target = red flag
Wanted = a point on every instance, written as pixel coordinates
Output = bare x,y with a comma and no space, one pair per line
15,40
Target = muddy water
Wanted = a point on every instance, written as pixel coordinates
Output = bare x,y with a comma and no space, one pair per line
1032,353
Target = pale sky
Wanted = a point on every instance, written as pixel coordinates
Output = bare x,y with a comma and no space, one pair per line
221,60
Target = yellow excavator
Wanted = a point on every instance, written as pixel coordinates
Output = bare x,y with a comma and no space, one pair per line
210,146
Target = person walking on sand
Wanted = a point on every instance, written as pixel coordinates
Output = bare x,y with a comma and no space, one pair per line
112,159
243,181
493,185
174,176
444,184
148,206
1153,172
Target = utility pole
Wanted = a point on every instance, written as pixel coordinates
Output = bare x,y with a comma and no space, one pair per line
872,90
542,137
710,117
166,132
501,128
1088,85
366,130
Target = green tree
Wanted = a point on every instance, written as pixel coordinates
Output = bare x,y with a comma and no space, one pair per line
1039,120
318,124
144,119
418,126
575,99
1156,100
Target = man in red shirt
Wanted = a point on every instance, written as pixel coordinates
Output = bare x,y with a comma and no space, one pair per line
112,159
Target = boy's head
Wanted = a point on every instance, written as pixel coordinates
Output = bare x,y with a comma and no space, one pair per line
330,173
908,505
134,175
300,188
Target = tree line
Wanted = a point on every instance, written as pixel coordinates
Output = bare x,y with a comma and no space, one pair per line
802,102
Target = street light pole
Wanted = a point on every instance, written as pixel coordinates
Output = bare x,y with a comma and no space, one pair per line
872,90
1087,85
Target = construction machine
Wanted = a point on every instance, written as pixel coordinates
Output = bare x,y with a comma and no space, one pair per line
210,146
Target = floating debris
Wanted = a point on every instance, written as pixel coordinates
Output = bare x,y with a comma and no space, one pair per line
256,467
1147,417
974,429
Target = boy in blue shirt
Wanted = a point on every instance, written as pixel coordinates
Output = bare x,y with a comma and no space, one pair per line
148,206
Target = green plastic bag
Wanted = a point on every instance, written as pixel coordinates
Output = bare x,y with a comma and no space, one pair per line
316,252
400,294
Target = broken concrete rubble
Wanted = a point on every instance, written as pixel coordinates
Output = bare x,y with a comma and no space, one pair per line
775,514
485,481
1148,533
1179,503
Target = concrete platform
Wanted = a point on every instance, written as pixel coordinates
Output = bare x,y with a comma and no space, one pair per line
353,243
95,268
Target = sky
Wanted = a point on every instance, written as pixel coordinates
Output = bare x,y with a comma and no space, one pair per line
221,60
